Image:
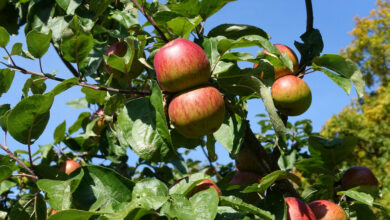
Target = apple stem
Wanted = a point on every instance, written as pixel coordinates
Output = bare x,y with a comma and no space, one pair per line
150,19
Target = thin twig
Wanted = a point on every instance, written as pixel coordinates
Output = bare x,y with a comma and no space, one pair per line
83,84
25,175
17,159
29,149
150,19
67,64
9,55
219,176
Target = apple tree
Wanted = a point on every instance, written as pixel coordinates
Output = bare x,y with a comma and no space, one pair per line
160,87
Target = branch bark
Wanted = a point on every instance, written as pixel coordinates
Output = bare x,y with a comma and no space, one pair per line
67,64
5,148
83,84
310,17
150,19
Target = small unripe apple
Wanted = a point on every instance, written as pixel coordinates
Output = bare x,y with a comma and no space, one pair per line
358,176
181,64
298,210
245,178
291,95
119,49
283,71
197,112
327,210
205,184
100,123
69,166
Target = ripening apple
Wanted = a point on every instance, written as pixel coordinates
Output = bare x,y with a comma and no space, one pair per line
245,178
181,64
100,124
205,184
327,210
283,71
298,210
119,49
358,176
69,166
197,112
291,95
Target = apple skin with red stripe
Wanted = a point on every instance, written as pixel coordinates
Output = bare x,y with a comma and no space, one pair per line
69,166
181,64
298,210
327,210
197,112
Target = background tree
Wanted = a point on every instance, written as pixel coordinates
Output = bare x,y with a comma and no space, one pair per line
368,118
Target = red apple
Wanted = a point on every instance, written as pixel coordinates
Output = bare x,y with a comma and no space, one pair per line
181,64
245,178
119,49
205,184
291,95
197,112
283,71
327,210
358,176
69,166
100,123
298,210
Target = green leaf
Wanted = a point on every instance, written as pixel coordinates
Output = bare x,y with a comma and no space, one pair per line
311,165
210,7
69,5
311,47
78,103
59,193
142,127
183,26
202,209
150,193
5,111
274,202
228,213
4,37
127,18
344,67
59,132
239,205
83,119
240,82
341,81
331,152
269,179
28,119
102,188
27,208
64,85
17,49
76,48
210,47
94,96
38,43
72,214
6,185
185,185
235,31
358,196
178,207
360,212
98,6
5,172
231,133
6,78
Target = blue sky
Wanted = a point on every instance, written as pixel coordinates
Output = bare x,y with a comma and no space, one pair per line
283,20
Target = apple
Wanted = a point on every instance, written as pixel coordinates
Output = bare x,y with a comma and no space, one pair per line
100,123
358,176
119,49
327,210
181,64
245,178
291,95
247,161
69,166
283,71
205,184
298,210
197,112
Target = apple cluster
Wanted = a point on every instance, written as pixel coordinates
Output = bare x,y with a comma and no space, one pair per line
291,95
183,68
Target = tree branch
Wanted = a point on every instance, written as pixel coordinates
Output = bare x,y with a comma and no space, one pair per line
83,84
5,148
25,175
310,18
150,19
